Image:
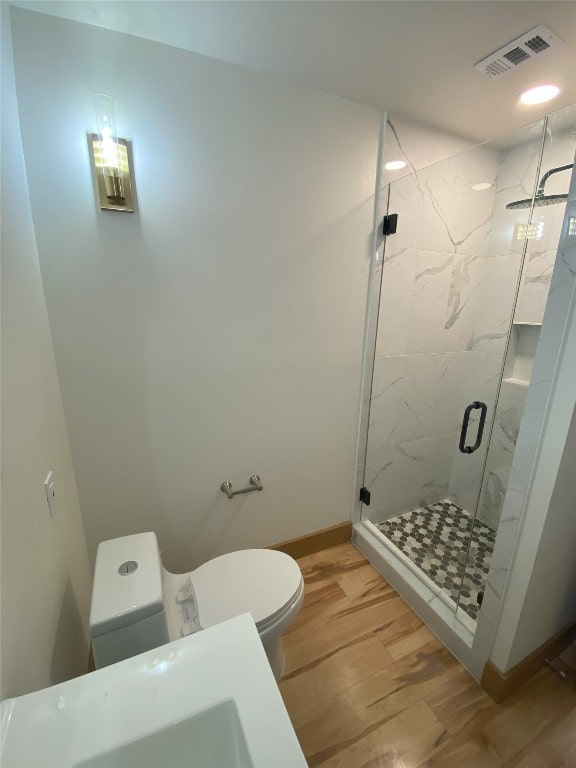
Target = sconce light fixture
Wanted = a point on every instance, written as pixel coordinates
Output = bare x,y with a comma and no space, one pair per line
111,159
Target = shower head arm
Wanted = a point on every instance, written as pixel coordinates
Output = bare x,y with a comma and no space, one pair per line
547,175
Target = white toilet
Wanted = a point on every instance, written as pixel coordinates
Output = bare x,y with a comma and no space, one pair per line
138,605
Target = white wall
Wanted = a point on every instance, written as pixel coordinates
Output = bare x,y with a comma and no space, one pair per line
550,602
45,584
217,332
541,594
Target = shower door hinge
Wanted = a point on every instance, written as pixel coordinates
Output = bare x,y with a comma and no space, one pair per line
390,224
365,496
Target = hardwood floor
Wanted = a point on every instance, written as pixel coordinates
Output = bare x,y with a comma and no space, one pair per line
368,685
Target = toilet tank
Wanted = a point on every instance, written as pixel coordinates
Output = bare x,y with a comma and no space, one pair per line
127,615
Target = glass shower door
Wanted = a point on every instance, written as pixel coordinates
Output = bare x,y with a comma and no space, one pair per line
449,282
540,245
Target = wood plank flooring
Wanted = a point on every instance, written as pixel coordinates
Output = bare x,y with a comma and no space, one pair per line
367,685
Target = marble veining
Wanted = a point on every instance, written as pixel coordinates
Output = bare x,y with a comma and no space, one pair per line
501,452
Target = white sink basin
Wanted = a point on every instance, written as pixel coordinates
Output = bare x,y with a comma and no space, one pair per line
207,701
190,742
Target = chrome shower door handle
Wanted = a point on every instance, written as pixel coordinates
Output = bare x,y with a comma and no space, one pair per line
464,430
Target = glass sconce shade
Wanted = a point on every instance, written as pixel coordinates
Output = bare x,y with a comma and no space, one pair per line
110,155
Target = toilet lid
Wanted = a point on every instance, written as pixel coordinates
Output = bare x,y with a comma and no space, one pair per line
257,581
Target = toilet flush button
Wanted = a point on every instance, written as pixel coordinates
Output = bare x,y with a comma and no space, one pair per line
128,567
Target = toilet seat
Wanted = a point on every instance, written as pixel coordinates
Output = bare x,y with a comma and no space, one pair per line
262,582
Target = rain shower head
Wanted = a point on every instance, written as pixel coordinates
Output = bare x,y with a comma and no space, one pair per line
538,201
540,198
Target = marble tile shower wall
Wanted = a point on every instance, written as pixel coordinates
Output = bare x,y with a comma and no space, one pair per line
539,265
419,145
515,181
434,336
449,278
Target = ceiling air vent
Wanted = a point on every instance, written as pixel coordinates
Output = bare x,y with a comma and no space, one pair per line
528,46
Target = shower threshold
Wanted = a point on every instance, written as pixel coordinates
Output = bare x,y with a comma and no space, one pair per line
434,541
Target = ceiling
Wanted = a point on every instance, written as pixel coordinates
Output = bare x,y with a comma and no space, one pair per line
414,57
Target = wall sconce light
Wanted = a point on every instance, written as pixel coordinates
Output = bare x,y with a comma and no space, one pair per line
110,158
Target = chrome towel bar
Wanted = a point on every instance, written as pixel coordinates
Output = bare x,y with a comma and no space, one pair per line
255,485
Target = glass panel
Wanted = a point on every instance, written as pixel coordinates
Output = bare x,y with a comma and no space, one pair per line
449,282
518,163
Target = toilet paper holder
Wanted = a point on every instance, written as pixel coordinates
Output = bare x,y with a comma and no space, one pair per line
255,485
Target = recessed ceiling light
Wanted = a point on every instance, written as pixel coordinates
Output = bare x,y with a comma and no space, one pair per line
395,165
540,94
482,186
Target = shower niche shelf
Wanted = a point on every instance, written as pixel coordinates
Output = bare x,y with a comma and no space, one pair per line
521,353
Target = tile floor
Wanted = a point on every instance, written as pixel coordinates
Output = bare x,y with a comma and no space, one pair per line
437,540
367,685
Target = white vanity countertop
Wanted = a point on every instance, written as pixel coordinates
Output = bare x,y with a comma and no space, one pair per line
194,701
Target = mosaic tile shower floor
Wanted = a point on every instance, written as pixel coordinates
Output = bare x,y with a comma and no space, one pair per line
435,538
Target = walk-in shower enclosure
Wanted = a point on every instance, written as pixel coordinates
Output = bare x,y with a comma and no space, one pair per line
456,303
